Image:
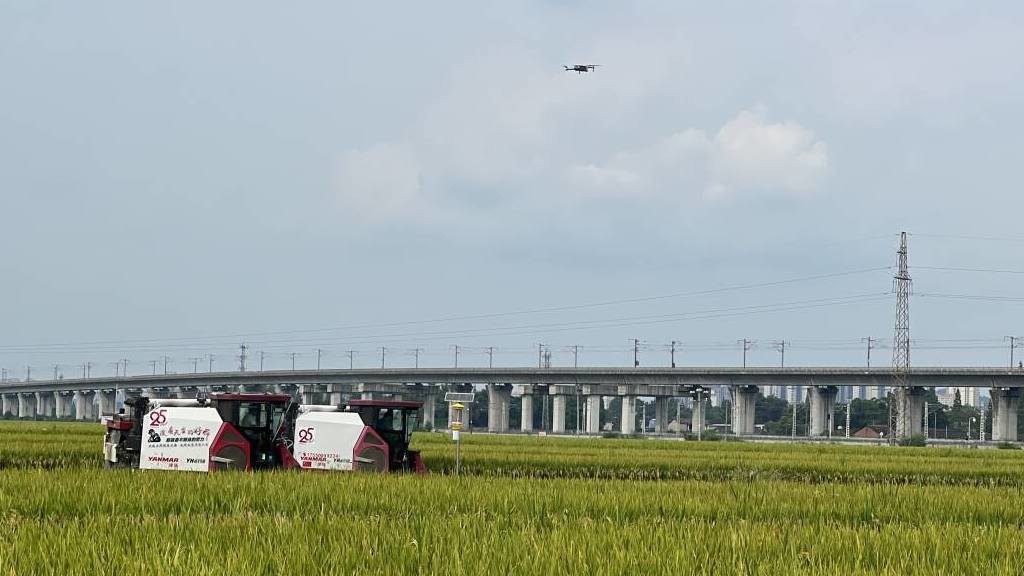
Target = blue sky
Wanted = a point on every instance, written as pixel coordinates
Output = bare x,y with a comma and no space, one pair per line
177,179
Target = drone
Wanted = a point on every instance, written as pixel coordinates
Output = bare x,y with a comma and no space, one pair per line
580,68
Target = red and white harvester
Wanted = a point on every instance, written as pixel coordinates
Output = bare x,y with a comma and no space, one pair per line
262,431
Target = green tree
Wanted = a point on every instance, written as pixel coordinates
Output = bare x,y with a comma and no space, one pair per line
783,426
959,419
769,409
873,412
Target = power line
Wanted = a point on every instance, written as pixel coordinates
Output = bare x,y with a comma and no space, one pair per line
198,339
974,297
969,237
964,269
711,313
706,314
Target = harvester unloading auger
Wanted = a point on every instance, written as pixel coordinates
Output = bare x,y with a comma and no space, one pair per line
262,431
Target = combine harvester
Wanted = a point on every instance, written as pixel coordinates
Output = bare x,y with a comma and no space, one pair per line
261,432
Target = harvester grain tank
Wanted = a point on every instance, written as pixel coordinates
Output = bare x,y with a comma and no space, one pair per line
262,431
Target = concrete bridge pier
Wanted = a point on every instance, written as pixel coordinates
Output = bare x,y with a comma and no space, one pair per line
911,414
698,420
39,405
108,402
499,397
660,414
8,405
627,425
743,400
363,395
558,414
335,394
429,409
62,405
26,405
307,391
1005,402
823,403
593,414
133,392
45,404
526,416
84,404
160,393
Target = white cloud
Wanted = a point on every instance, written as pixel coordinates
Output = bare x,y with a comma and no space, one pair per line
747,155
614,181
750,154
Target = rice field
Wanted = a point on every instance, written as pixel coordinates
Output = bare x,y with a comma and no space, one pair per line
524,506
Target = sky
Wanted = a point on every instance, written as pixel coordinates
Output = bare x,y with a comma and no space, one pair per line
179,179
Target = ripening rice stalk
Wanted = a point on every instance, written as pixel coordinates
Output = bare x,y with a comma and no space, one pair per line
526,506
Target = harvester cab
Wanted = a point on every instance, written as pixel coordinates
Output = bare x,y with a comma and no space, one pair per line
394,421
260,419
262,431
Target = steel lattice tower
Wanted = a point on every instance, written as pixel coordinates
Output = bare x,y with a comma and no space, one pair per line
900,347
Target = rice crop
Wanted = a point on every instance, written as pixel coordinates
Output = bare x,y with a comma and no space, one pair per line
526,506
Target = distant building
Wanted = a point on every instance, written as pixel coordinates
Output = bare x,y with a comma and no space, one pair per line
718,395
946,395
846,393
968,395
796,394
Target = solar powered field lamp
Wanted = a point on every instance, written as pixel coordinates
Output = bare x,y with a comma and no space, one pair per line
457,402
458,413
